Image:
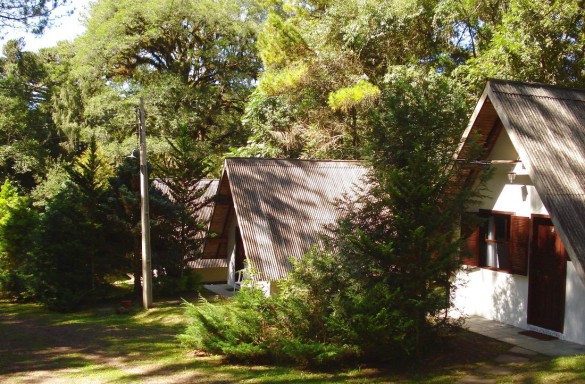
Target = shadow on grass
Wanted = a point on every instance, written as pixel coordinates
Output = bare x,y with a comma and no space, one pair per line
142,347
102,346
106,347
35,339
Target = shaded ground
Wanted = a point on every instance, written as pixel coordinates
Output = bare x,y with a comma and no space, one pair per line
96,345
100,346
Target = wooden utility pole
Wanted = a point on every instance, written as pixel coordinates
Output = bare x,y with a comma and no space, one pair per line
145,215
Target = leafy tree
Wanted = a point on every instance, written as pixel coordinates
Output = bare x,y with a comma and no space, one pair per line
396,250
62,267
31,14
50,185
126,223
17,222
27,132
538,41
76,248
125,201
193,61
326,62
289,110
67,98
407,225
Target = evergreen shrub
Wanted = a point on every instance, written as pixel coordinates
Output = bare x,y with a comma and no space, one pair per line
166,285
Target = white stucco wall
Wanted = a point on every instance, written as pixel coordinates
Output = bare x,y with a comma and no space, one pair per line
520,196
574,329
494,295
231,251
502,296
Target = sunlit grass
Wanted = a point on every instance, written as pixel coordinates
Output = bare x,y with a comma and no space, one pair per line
570,369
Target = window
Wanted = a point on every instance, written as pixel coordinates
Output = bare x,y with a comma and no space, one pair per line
496,240
496,236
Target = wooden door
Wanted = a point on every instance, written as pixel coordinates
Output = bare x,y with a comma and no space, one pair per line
547,278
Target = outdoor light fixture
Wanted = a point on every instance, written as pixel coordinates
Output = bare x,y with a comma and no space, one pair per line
511,176
133,155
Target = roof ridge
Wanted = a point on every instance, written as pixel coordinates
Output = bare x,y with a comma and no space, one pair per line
536,84
289,159
292,163
541,96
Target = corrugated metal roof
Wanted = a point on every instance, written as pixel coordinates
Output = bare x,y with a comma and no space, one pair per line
547,127
208,263
283,205
210,186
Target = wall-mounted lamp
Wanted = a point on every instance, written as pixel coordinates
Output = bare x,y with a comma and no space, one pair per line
511,176
134,154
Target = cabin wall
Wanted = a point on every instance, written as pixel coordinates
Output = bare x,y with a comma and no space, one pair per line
494,295
520,196
574,308
215,275
231,250
503,296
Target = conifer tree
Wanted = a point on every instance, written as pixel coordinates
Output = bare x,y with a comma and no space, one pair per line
18,221
182,171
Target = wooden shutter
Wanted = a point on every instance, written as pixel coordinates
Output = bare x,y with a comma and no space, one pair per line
519,240
470,231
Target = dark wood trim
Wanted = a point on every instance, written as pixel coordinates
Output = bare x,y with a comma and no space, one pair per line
520,228
547,277
470,231
493,212
517,239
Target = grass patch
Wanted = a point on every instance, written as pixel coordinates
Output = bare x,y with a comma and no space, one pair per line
98,345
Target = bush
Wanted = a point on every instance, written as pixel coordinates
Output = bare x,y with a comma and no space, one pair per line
250,329
165,285
327,312
310,322
316,354
17,222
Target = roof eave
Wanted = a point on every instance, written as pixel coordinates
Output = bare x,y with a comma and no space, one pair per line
465,137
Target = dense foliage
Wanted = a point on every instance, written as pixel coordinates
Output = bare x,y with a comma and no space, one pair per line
388,81
17,223
381,287
326,61
69,123
185,167
279,329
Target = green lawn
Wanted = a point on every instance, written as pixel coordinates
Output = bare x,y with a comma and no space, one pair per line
99,346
